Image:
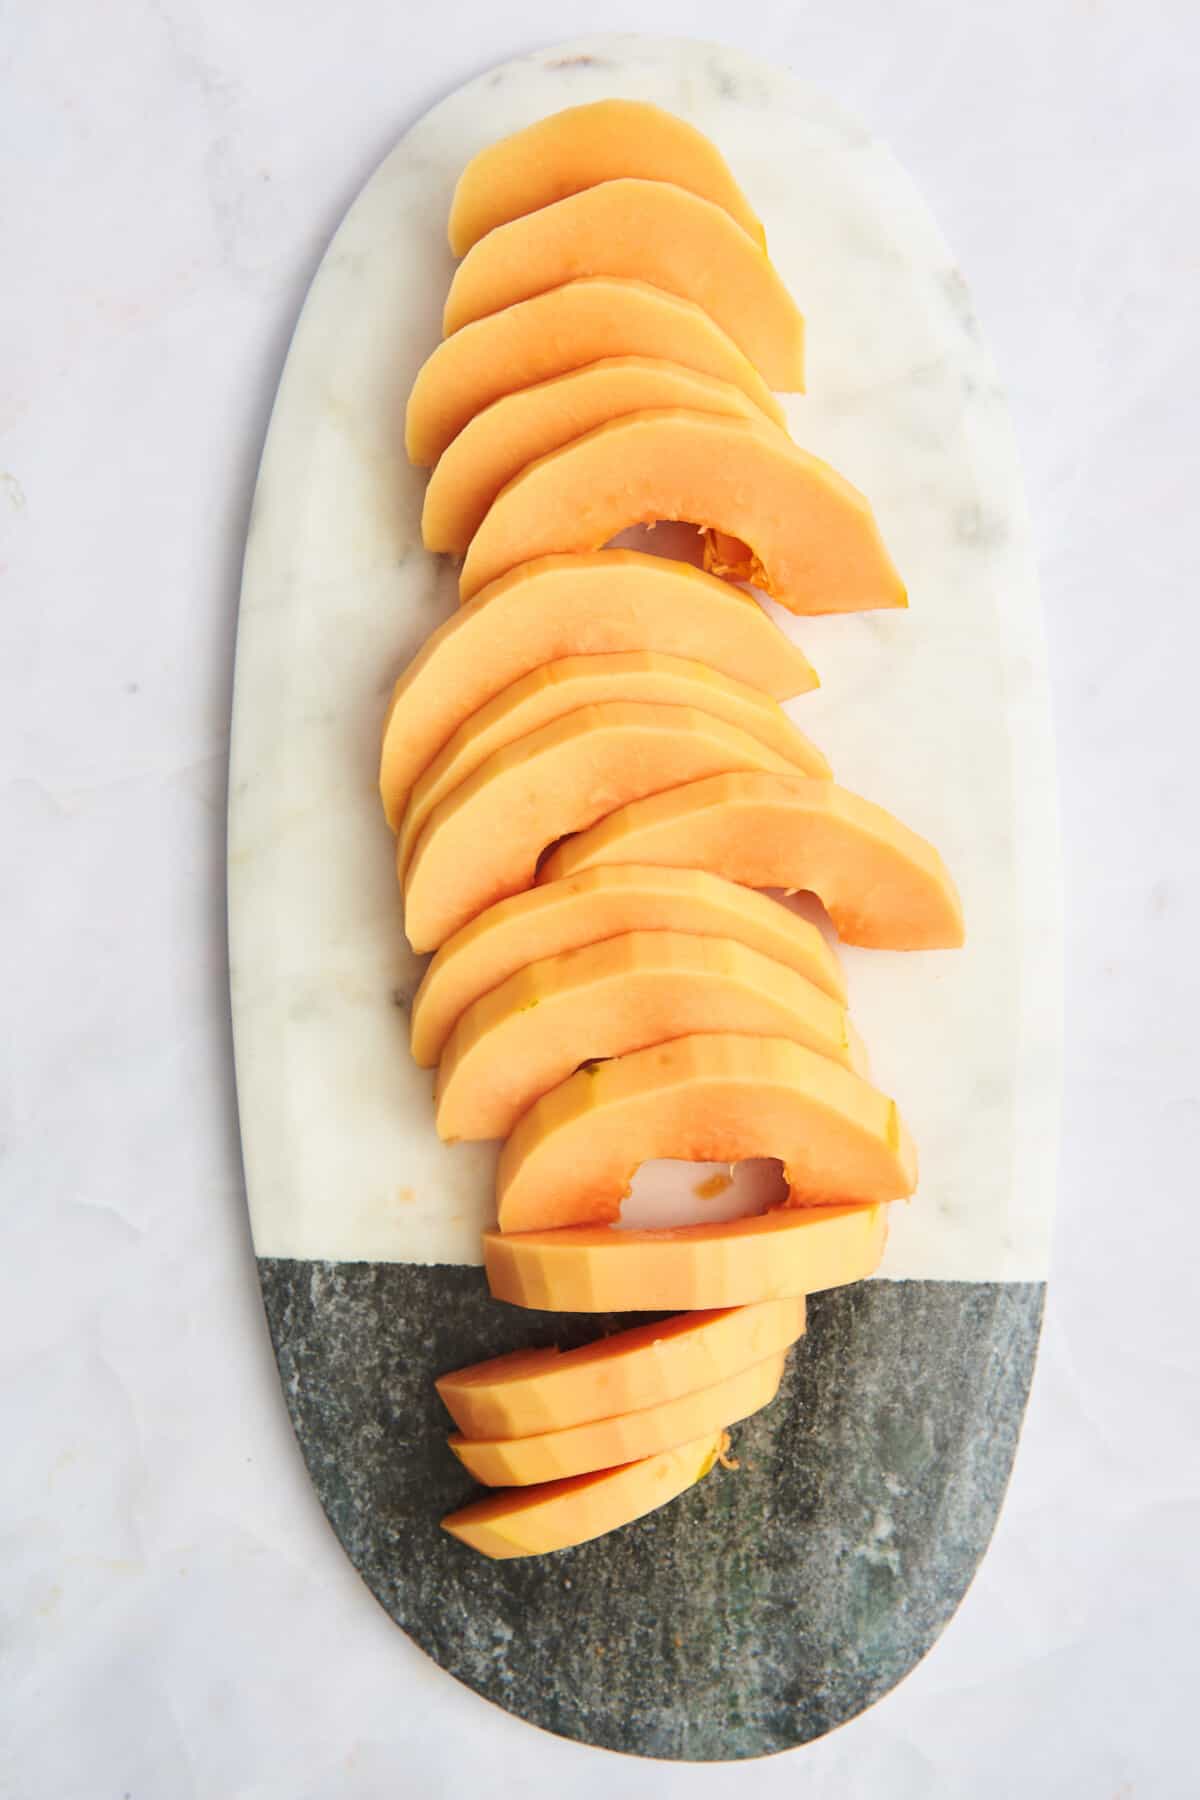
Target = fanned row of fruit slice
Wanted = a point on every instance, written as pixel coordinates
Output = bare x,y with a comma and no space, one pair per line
597,1436
589,775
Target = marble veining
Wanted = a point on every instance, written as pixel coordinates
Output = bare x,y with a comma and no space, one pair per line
939,713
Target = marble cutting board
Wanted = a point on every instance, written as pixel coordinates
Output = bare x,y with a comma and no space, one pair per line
770,1604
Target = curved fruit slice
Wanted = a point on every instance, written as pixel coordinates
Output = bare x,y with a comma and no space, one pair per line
882,885
605,604
515,430
577,323
594,1268
609,999
709,1098
814,541
561,687
604,1443
532,1521
579,147
639,230
602,903
549,1390
484,840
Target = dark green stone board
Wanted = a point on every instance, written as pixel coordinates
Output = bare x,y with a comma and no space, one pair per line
765,1606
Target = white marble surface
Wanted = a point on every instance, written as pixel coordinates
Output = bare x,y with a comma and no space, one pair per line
176,1617
940,712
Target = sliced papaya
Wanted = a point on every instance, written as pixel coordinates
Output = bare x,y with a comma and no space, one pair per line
533,1391
597,904
624,1438
563,686
882,885
599,1268
484,839
518,428
637,230
578,323
606,604
535,1520
607,999
814,540
713,1097
579,147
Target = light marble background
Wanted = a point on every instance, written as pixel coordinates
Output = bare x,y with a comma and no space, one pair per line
175,1616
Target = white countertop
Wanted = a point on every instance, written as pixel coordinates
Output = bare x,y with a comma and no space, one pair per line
177,1617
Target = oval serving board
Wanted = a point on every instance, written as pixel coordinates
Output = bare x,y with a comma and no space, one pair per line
773,1602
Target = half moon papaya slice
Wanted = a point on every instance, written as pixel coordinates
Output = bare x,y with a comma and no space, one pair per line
578,323
483,841
563,686
532,1391
882,885
813,539
579,147
515,430
636,230
602,903
556,1514
713,1097
607,999
606,1443
599,1268
606,604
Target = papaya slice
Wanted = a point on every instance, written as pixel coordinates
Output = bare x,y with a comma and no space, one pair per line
557,1514
624,1438
580,322
607,999
561,687
637,230
532,1391
606,604
596,1268
483,841
518,428
882,885
713,1097
602,903
816,547
580,147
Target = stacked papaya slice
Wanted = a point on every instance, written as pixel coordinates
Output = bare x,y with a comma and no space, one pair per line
590,777
580,1441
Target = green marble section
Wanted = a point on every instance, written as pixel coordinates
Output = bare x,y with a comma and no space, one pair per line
767,1605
